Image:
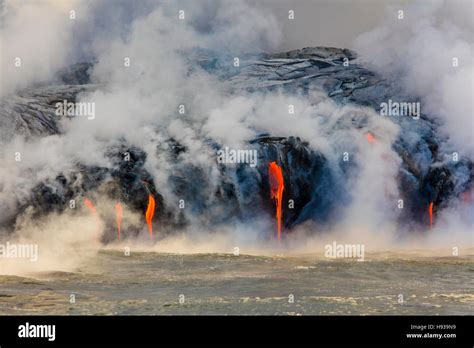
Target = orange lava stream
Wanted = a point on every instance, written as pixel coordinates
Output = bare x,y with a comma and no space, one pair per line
150,211
119,211
276,190
430,211
90,205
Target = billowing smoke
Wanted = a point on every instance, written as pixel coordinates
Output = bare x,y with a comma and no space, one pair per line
36,41
430,51
149,61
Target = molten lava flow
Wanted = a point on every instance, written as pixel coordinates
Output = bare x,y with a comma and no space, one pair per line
276,190
90,205
150,211
92,209
430,211
370,137
118,210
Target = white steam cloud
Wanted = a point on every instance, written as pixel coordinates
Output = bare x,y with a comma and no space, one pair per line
430,51
139,103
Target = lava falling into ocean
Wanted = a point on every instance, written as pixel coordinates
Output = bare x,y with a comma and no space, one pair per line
430,212
93,211
119,211
150,211
90,205
276,190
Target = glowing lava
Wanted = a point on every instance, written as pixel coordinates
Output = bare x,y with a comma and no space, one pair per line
370,137
93,211
90,205
276,190
118,210
150,211
430,211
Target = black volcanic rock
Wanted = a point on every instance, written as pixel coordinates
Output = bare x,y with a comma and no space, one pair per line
316,186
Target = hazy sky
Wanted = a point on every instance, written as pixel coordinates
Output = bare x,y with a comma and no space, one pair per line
327,22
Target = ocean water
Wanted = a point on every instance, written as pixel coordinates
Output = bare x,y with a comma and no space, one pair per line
149,283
